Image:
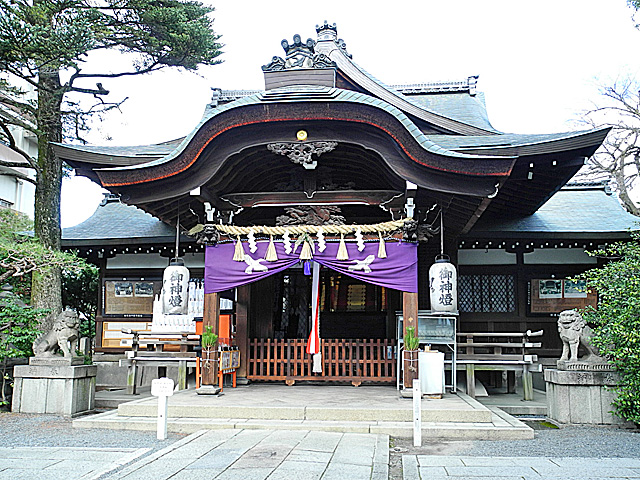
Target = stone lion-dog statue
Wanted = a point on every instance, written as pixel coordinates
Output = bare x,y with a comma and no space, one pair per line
63,336
574,331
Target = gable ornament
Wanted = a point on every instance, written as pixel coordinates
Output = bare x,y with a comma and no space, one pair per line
301,153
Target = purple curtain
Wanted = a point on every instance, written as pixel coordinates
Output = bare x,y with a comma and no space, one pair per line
398,271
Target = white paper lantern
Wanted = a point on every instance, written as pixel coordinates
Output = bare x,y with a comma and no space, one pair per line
443,285
175,288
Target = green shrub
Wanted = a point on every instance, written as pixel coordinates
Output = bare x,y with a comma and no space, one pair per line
20,327
616,321
18,330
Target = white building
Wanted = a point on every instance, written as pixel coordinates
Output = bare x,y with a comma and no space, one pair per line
16,192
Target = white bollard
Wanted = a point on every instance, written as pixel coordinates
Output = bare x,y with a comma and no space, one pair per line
163,389
417,413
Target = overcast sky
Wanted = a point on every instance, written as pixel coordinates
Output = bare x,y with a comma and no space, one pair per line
540,63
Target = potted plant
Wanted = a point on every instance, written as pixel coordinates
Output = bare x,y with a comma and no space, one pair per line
410,354
209,356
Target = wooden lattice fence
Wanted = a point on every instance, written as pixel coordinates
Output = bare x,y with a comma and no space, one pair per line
354,360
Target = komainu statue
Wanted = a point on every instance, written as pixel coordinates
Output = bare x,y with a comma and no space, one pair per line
574,331
63,336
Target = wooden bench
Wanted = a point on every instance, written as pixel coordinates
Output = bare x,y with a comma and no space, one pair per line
154,355
499,351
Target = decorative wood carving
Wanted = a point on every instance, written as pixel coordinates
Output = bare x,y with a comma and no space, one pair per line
311,215
412,231
301,153
209,235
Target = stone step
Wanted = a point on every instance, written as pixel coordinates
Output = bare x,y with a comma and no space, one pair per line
149,409
501,426
525,410
455,408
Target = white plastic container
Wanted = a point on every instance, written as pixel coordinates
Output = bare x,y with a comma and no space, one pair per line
431,372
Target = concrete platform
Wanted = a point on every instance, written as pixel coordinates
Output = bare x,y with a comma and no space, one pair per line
513,404
370,409
113,397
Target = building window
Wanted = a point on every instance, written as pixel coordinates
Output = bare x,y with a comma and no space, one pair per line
487,293
5,203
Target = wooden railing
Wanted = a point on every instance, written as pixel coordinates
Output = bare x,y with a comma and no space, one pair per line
355,361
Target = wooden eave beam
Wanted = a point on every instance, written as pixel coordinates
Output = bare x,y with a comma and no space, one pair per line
325,197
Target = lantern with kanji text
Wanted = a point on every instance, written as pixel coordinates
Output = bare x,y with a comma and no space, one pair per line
175,284
443,286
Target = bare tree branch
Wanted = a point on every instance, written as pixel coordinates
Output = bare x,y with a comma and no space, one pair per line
619,155
151,68
99,91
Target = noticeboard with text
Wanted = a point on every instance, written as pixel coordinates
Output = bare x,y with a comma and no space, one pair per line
129,298
548,296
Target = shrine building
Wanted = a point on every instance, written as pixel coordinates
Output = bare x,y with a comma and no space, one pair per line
330,178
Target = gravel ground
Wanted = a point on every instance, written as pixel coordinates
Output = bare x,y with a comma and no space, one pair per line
25,430
570,441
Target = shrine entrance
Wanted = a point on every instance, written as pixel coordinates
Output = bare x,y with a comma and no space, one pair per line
328,317
357,329
349,308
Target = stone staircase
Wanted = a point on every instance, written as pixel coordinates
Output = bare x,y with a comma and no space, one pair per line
318,408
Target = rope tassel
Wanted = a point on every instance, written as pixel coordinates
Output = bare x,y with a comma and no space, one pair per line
305,254
238,254
342,249
382,249
271,255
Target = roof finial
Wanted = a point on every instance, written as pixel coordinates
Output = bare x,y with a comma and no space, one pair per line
327,31
299,55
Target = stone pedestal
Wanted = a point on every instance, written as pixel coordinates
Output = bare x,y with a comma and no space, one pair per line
581,397
56,385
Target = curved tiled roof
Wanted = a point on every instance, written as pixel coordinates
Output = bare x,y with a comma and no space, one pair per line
309,93
518,143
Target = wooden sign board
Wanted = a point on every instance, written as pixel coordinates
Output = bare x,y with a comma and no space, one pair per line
129,298
548,296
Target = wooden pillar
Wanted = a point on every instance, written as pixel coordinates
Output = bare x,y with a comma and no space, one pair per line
211,312
210,318
242,327
410,319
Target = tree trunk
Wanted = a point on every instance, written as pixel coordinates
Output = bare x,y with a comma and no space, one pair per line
47,286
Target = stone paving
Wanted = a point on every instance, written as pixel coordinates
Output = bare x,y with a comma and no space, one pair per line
436,467
58,463
261,454
291,455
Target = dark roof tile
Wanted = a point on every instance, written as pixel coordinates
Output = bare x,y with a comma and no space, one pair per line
573,210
